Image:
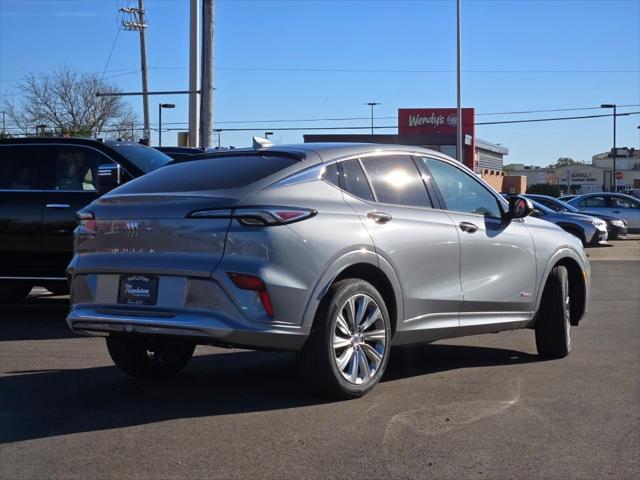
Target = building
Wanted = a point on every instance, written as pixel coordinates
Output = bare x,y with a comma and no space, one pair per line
434,128
587,178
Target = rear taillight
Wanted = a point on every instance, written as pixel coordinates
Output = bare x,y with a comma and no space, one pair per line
249,282
86,220
259,216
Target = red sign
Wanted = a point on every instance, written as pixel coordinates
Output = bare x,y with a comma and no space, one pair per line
438,126
619,175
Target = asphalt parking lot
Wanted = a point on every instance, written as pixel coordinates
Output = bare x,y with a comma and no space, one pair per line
477,407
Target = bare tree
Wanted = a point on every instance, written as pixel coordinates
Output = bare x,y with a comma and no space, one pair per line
66,102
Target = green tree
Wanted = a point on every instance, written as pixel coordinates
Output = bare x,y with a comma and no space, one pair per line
544,189
564,161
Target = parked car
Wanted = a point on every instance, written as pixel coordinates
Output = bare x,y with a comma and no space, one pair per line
634,192
618,204
187,154
590,230
566,198
43,183
616,227
335,251
180,154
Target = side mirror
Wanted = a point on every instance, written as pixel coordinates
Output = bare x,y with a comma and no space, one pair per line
109,177
519,207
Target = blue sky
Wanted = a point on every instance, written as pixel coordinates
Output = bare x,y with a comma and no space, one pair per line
325,59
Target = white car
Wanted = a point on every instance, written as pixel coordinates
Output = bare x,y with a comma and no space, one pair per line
618,204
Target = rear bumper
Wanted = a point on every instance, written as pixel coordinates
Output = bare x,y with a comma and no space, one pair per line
199,327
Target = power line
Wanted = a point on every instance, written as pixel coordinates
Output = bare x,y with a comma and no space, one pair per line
113,46
403,70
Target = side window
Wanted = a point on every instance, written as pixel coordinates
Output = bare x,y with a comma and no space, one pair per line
593,202
621,202
460,191
353,180
20,167
396,180
330,174
76,168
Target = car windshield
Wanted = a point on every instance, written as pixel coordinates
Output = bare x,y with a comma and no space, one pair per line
145,158
566,206
544,209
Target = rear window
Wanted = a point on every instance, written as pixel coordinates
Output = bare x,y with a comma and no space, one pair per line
208,174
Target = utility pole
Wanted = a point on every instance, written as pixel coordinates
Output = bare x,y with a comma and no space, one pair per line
372,104
194,71
135,22
459,146
613,186
206,101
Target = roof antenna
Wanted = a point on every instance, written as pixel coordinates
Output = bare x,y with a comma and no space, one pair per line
260,142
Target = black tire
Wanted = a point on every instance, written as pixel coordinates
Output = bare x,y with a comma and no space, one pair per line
149,358
553,323
317,360
10,294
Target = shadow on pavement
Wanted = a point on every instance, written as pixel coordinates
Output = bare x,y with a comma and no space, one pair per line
45,403
39,317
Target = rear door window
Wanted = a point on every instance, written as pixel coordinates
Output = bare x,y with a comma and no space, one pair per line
396,180
218,173
21,166
621,202
353,180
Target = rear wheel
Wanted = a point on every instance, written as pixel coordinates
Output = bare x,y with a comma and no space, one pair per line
348,349
149,358
553,324
13,293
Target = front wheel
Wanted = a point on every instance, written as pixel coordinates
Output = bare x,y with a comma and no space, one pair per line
348,349
553,324
149,358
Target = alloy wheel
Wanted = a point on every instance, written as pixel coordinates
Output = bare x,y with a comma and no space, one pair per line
359,339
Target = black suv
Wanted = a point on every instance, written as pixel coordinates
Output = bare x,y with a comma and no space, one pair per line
43,183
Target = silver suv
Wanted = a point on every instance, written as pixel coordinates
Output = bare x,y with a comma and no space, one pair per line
335,251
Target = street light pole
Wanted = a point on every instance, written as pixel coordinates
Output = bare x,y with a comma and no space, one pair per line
372,104
459,87
160,107
613,185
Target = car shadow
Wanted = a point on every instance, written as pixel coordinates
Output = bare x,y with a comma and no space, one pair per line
39,317
44,403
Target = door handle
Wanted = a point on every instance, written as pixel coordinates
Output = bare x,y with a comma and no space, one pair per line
616,211
58,205
379,217
468,227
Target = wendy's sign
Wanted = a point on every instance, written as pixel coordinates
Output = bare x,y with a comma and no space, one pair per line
437,126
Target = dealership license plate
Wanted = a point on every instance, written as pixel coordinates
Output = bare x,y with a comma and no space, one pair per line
138,290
